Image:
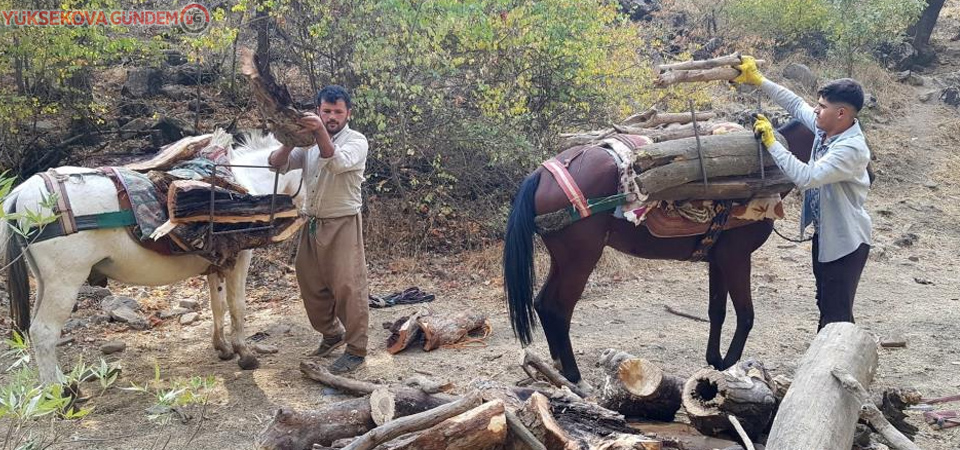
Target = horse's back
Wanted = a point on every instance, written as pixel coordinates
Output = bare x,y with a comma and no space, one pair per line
592,168
87,190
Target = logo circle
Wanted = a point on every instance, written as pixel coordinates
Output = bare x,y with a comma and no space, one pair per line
194,18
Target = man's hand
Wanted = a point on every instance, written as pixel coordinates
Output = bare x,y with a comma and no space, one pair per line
763,129
749,73
311,123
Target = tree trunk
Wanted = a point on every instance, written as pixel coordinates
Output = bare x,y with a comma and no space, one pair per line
923,29
709,396
672,163
729,188
293,430
814,388
483,427
636,387
416,422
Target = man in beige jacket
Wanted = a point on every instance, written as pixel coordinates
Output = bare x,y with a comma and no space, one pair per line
331,267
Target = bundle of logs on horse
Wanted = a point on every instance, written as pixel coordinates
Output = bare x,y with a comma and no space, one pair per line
731,409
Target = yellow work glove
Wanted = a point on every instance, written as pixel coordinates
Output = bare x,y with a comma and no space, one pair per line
749,73
763,129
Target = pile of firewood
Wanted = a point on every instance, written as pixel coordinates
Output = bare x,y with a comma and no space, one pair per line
731,409
435,331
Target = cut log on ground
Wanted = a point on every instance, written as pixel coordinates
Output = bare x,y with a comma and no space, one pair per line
404,332
483,427
440,330
681,435
638,388
893,402
709,396
293,430
415,422
531,362
729,188
870,412
189,201
814,388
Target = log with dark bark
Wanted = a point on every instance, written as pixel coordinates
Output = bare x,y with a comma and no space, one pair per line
814,388
710,396
673,163
638,388
729,188
274,101
568,423
444,330
892,402
189,201
403,332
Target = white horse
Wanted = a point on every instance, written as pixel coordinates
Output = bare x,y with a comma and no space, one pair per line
62,264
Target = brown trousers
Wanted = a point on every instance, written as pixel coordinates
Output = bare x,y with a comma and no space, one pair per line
332,274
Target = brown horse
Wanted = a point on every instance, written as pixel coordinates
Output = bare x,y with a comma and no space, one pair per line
575,250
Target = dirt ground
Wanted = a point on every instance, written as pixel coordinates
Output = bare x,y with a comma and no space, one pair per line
910,290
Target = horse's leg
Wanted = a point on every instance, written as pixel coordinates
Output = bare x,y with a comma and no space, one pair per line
237,302
549,289
55,298
575,252
218,306
717,311
736,277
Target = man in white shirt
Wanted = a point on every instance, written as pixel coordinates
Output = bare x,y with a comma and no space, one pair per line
331,266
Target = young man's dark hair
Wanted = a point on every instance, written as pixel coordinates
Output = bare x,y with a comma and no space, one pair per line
332,93
843,90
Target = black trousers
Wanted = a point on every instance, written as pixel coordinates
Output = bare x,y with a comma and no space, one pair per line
837,283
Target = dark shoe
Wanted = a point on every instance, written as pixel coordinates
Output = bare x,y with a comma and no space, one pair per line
328,345
347,362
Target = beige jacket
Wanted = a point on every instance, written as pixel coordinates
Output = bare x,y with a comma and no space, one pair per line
332,185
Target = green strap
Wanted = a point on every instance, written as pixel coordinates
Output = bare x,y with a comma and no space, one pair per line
115,219
598,205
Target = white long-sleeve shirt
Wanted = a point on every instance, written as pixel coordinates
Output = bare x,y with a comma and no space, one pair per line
332,185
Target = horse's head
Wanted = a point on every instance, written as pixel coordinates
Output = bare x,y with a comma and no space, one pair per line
253,149
799,138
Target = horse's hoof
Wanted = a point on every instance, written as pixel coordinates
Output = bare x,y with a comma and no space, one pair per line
249,362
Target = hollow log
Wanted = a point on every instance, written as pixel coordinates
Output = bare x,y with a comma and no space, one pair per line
814,388
710,396
673,163
729,188
404,332
189,201
638,388
439,330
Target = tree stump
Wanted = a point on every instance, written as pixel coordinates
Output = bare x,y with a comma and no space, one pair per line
637,388
817,411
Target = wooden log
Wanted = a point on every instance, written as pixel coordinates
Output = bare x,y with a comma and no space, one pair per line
870,412
673,163
189,201
415,422
720,61
173,153
483,427
404,331
647,120
382,406
638,388
536,416
669,133
293,430
729,188
532,361
710,396
680,435
273,101
693,76
444,330
814,388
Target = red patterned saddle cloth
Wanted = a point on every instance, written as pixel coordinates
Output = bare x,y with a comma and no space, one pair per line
693,218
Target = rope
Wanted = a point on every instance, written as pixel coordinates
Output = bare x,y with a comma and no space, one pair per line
469,342
795,241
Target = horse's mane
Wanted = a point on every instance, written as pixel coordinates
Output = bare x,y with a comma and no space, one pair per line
254,141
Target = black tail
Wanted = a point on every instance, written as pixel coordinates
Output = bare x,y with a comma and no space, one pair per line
518,270
18,284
